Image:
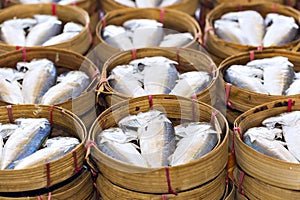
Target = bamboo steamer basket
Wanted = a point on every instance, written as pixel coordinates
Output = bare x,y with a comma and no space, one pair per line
148,180
230,191
80,186
211,190
223,49
45,175
171,19
231,115
80,43
275,172
256,189
189,60
243,100
187,6
85,104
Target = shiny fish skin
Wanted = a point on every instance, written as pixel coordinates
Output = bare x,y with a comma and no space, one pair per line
276,60
199,139
25,141
10,91
157,141
37,80
190,83
176,40
13,35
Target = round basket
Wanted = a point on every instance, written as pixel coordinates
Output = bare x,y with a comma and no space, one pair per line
259,166
188,59
45,175
187,6
256,189
80,182
161,180
243,100
212,190
80,43
171,19
65,60
223,49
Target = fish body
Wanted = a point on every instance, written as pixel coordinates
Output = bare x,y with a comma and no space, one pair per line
11,74
147,3
63,37
157,141
10,91
38,80
198,140
190,83
72,27
117,37
147,37
67,2
118,135
294,88
176,40
133,24
249,71
25,141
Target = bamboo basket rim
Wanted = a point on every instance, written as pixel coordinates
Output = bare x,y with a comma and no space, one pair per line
175,13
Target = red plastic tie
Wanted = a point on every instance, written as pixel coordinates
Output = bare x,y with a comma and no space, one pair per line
260,48
133,51
5,3
96,73
48,174
251,55
169,182
213,115
24,54
289,2
194,99
240,187
10,114
238,130
164,197
40,197
51,113
17,48
77,169
239,7
232,144
74,3
89,144
205,33
162,15
102,80
53,8
178,56
49,196
290,104
274,7
150,99
102,19
228,86
90,33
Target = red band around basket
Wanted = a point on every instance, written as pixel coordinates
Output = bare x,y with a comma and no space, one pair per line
162,16
290,104
274,7
90,33
96,73
240,187
194,99
171,191
260,48
251,55
74,3
5,3
102,19
49,196
48,174
238,130
133,52
164,197
205,33
228,86
239,7
150,100
17,48
178,56
77,169
51,113
102,80
53,8
213,115
10,114
40,197
288,2
89,144
24,54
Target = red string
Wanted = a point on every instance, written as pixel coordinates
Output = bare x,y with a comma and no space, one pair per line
134,52
164,197
162,15
238,130
228,86
290,104
274,7
5,3
51,113
90,33
178,56
17,48
102,80
74,3
240,187
53,8
48,174
194,99
169,182
150,99
49,196
96,73
24,54
10,114
77,169
102,19
232,145
213,115
40,197
239,7
260,48
251,56
205,33
89,144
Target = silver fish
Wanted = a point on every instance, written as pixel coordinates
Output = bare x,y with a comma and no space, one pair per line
126,2
147,37
55,149
133,24
37,80
70,87
63,37
190,83
11,74
72,27
249,71
40,18
13,35
176,40
282,30
118,135
25,141
41,32
160,78
117,37
10,91
198,140
147,3
7,129
165,3
297,75
294,88
157,141
261,140
277,60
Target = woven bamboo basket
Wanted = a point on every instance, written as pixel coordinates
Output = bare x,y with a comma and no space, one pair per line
172,20
80,186
256,189
65,60
230,191
187,6
64,123
231,115
148,180
267,169
188,59
223,49
243,100
211,190
80,43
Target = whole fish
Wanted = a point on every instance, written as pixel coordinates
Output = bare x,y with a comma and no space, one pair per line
157,141
72,27
294,88
267,145
25,141
249,71
165,3
126,2
190,83
38,80
41,32
147,3
160,78
117,37
282,30
55,149
10,91
198,140
176,40
63,37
